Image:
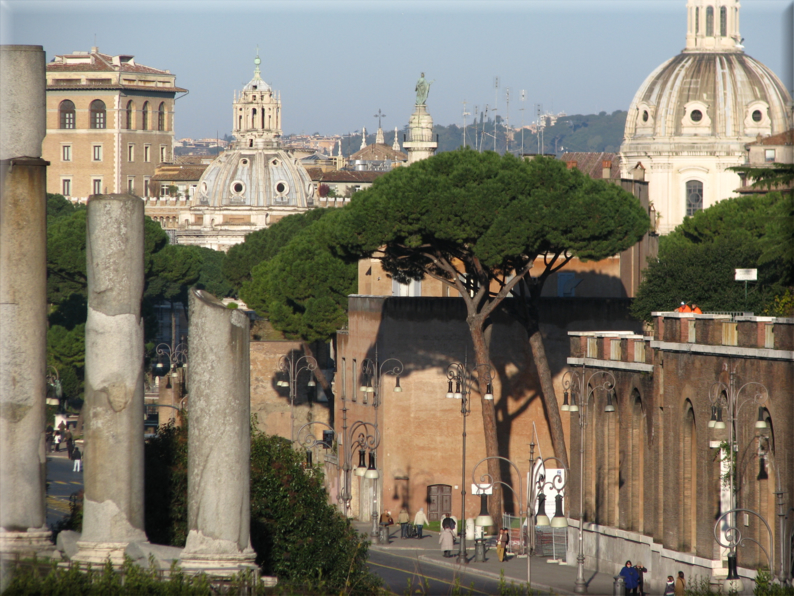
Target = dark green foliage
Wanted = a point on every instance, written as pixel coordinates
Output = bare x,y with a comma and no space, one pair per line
591,132
263,245
165,482
303,290
696,261
298,536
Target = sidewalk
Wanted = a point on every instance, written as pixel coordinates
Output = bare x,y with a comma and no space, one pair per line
545,576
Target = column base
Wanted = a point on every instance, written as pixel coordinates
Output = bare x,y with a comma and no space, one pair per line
215,565
98,553
32,541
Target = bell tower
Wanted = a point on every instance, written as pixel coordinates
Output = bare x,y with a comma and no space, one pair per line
257,113
713,26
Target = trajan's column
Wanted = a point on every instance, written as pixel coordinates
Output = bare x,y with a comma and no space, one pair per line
420,144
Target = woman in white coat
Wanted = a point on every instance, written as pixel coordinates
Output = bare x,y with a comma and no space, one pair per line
447,541
420,520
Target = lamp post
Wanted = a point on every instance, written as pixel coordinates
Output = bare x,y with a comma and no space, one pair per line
585,385
732,397
292,367
371,378
309,441
537,496
175,354
487,481
460,375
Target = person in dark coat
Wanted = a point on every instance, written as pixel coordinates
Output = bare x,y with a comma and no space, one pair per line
641,571
630,577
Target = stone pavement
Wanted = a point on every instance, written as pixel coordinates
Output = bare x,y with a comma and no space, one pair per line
548,577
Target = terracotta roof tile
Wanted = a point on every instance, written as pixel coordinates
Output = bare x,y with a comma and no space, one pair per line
379,152
592,163
783,138
318,175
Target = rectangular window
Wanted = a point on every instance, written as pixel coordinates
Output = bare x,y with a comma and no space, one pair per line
147,150
66,187
131,152
769,155
131,185
639,351
614,349
344,378
66,153
769,336
592,347
354,391
730,336
96,186
96,153
691,332
146,182
163,154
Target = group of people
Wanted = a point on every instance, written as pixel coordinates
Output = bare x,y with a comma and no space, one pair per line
693,308
404,519
634,580
54,439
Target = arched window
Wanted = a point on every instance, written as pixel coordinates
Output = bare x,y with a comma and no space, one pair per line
128,114
697,21
710,21
253,118
145,116
67,113
161,117
98,114
694,197
723,21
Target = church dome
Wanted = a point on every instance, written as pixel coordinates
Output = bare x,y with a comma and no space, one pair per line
710,94
255,171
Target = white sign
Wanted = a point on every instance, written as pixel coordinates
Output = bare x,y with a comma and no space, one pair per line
745,275
482,489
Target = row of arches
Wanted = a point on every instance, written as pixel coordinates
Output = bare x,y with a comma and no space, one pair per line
97,118
677,490
709,18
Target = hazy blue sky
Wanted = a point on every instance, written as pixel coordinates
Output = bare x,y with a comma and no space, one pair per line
336,63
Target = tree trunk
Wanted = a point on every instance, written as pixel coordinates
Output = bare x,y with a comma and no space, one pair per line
547,388
488,420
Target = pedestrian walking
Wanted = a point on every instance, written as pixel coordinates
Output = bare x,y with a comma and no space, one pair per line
669,587
630,578
420,520
641,571
501,544
403,519
447,541
67,436
78,459
57,441
680,584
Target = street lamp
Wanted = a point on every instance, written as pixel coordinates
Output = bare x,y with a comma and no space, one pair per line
578,383
732,398
309,441
486,481
459,375
293,367
169,358
537,497
371,379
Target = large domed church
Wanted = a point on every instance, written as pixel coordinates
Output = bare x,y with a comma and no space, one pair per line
692,117
254,183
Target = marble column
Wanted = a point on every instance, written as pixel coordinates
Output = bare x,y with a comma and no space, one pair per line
113,513
420,144
23,303
219,439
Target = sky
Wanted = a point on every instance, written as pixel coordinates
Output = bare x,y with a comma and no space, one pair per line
337,63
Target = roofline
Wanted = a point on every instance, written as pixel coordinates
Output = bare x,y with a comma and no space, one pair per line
83,87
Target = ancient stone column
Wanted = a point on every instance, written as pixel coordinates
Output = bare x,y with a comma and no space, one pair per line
23,302
113,473
219,438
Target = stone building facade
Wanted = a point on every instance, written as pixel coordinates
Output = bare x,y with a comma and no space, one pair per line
110,121
653,484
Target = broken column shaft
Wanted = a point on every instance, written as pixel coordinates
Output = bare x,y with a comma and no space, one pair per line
219,438
113,514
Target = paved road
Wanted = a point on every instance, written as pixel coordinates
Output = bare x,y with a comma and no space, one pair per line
62,482
404,574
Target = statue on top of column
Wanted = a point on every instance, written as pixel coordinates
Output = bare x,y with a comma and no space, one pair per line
422,90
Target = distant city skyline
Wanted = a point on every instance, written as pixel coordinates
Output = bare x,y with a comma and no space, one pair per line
337,63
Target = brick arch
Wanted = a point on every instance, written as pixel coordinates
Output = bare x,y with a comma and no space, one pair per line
633,476
602,461
687,472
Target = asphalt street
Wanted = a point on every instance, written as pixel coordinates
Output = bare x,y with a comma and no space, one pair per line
404,573
61,483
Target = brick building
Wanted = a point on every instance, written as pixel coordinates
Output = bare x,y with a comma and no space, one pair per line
652,486
110,121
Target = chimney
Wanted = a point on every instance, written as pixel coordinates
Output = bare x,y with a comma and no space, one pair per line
571,165
639,171
606,169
